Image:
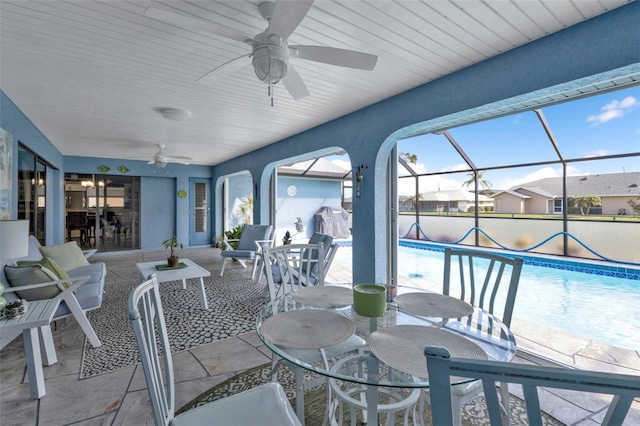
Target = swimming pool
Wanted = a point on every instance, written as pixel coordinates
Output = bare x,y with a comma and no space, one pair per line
600,305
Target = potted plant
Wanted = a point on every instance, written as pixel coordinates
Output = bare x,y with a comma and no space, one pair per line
172,243
287,238
231,238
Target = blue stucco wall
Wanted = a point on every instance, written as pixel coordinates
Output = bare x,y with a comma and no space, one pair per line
25,132
158,210
311,194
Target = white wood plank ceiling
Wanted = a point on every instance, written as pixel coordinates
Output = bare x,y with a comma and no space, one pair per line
93,75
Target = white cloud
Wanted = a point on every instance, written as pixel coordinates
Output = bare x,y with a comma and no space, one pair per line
419,168
614,109
597,153
545,172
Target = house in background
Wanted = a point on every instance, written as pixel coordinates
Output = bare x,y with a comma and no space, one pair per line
545,196
455,200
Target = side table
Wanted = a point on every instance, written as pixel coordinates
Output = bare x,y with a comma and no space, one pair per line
34,325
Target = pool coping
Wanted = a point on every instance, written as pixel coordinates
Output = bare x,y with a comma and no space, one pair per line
587,266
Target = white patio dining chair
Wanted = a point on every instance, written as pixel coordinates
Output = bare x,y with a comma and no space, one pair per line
287,268
263,405
442,367
252,240
481,289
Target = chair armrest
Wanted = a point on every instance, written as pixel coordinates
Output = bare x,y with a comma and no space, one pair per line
227,245
89,253
76,283
263,244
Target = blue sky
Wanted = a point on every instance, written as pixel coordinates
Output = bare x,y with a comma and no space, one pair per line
606,124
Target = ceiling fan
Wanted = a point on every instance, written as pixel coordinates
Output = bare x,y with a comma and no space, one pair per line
270,51
160,159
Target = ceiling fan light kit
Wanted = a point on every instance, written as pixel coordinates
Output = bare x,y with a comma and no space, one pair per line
270,58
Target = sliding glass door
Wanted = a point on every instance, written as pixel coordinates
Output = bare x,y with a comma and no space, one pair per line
103,211
32,190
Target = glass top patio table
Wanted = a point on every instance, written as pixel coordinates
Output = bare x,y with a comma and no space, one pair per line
397,338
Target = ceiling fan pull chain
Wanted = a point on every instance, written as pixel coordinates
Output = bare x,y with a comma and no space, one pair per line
271,93
270,86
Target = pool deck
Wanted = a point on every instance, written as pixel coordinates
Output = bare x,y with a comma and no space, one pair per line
121,398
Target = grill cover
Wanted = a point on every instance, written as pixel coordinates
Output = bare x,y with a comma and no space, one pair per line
332,221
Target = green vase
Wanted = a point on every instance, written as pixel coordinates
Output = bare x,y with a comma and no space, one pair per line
370,300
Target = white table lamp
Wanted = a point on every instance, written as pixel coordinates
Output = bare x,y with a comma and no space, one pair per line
14,242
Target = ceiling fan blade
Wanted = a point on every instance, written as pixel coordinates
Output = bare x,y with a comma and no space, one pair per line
224,69
189,23
152,161
334,56
294,84
171,160
287,15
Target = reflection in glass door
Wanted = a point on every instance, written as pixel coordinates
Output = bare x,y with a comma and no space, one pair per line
32,192
103,211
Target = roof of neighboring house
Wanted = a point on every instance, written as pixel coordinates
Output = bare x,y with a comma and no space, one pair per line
510,192
603,185
319,168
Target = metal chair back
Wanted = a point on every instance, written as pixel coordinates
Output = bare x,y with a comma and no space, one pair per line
480,276
442,367
290,267
147,319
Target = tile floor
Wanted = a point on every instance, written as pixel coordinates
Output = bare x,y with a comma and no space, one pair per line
120,398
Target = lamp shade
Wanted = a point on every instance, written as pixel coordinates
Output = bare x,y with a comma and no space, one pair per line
14,238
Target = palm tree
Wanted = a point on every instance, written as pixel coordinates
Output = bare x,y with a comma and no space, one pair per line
246,209
411,200
484,184
635,205
583,202
409,158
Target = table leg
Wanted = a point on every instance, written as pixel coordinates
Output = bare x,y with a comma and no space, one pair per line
34,362
299,376
372,391
49,349
184,284
203,295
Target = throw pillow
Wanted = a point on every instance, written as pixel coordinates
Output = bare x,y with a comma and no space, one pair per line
32,274
52,266
69,256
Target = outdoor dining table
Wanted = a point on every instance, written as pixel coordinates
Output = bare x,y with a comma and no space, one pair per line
316,318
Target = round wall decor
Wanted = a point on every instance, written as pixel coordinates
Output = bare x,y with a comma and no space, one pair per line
292,190
182,193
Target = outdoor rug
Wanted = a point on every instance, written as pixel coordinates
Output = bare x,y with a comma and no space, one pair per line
474,413
234,301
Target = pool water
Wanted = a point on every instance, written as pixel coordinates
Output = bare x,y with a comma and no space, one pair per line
597,307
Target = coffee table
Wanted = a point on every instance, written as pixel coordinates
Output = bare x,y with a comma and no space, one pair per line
192,270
